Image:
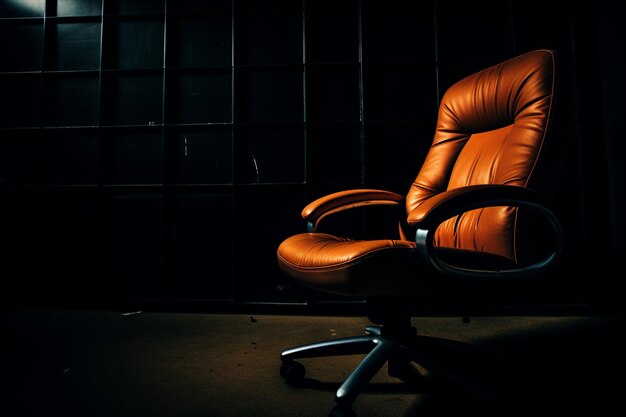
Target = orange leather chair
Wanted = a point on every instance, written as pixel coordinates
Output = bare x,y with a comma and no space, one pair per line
466,223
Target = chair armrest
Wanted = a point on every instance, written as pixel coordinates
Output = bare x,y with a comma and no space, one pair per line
315,211
432,212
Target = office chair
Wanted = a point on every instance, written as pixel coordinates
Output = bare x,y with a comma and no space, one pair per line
475,222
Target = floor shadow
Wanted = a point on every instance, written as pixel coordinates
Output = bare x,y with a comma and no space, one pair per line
569,369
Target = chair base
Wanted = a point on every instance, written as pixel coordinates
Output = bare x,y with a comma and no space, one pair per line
397,347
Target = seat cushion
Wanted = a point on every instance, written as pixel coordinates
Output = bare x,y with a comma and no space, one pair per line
345,266
349,267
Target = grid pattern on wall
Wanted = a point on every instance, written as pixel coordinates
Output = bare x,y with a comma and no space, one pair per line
160,149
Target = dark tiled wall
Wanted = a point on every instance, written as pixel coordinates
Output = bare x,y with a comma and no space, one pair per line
162,149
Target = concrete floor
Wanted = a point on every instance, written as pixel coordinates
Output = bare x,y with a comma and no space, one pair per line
132,364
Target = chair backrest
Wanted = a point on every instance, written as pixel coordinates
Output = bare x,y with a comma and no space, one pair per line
492,128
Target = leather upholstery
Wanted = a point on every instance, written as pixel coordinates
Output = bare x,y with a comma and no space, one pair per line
345,200
491,129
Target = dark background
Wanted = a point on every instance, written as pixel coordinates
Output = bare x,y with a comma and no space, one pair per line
154,153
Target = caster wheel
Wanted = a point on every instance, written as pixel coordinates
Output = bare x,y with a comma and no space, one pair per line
293,372
342,411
